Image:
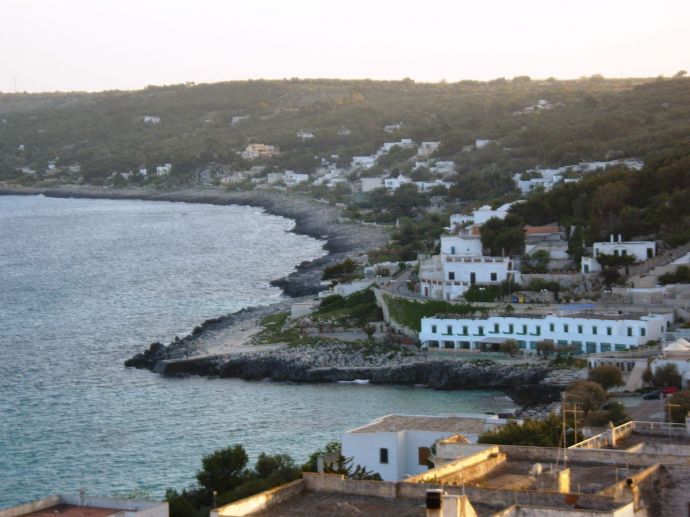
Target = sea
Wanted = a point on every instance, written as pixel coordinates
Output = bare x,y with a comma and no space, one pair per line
85,284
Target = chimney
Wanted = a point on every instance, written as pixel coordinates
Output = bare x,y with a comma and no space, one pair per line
434,498
620,238
611,237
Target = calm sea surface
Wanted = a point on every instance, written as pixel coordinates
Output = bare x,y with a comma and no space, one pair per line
84,284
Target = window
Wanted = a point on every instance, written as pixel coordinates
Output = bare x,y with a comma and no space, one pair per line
480,331
494,277
579,329
452,250
609,331
423,455
552,327
643,332
594,330
537,330
451,275
464,330
496,328
383,455
629,331
624,253
433,329
449,329
510,328
565,328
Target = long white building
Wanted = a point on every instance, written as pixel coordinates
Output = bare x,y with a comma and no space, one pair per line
589,333
641,250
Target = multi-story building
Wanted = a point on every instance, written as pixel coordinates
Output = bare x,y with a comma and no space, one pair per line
641,250
588,333
461,265
254,151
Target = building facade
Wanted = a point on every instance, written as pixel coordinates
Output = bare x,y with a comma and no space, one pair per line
588,333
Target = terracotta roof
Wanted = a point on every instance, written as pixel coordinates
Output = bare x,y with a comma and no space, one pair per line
395,423
541,230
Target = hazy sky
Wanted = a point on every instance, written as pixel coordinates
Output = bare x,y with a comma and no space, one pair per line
124,44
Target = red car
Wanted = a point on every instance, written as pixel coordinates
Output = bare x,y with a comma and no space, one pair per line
669,390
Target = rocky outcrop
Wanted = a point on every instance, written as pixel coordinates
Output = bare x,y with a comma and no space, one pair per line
337,363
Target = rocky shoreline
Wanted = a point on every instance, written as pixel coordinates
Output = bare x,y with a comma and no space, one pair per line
327,363
312,218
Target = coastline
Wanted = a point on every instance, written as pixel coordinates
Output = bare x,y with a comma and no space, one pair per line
312,218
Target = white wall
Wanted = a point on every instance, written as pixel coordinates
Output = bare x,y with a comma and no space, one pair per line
363,448
464,246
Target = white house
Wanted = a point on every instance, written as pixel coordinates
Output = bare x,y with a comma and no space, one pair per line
398,446
386,147
589,265
588,333
479,143
363,162
426,149
396,182
461,265
305,135
442,168
294,178
484,213
641,250
163,170
143,171
254,151
677,353
426,186
369,184
392,128
152,119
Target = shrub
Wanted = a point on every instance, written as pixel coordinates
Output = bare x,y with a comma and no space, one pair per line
606,375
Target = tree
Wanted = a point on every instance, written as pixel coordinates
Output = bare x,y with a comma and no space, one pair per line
343,272
679,406
223,469
179,503
587,395
606,375
510,347
538,433
647,375
503,237
667,375
537,262
545,348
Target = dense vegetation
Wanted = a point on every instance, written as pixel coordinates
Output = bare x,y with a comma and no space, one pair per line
593,118
410,313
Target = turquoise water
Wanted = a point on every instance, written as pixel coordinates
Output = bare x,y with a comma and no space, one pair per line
86,283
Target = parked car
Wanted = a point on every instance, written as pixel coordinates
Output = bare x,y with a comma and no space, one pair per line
669,390
652,395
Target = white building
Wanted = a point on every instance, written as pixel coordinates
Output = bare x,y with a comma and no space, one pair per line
388,146
443,168
426,186
479,143
274,177
461,265
426,149
459,220
588,333
484,213
80,505
369,184
589,265
143,171
305,135
363,162
398,446
641,250
294,178
163,170
152,119
392,128
396,183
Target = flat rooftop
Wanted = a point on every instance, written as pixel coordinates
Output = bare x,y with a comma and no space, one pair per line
321,504
585,477
395,423
69,510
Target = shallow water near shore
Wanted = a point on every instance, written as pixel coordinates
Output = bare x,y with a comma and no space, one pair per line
84,284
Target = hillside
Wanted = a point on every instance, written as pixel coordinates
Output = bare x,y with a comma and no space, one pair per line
588,119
